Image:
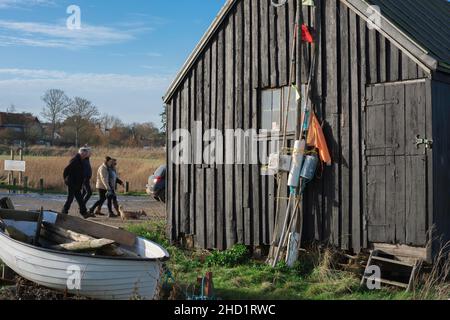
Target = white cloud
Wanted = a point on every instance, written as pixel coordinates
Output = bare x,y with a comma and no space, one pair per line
59,36
21,3
84,81
133,98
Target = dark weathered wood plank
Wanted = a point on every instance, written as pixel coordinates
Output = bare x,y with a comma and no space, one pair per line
211,174
265,43
210,208
239,118
382,54
332,128
291,25
220,194
434,188
346,143
372,57
209,213
416,207
394,63
376,198
177,169
306,47
282,39
273,45
200,177
184,175
231,227
355,98
256,214
315,190
192,185
363,75
416,180
170,206
247,105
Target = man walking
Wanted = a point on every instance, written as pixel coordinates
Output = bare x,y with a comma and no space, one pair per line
73,178
86,191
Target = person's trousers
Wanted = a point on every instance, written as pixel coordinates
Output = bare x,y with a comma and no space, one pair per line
112,201
86,191
74,193
99,204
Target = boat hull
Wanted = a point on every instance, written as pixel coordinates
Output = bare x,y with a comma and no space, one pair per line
99,278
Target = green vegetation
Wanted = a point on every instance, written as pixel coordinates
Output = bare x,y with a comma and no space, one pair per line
233,257
237,276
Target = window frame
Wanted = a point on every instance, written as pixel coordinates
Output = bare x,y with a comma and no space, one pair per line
292,109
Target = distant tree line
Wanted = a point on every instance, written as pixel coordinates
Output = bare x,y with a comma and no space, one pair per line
77,121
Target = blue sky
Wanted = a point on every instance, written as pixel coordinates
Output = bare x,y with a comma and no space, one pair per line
123,58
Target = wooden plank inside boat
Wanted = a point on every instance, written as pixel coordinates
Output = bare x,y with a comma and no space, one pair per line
80,246
17,215
18,235
95,230
61,237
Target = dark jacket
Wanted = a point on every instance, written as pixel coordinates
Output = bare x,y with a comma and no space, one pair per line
87,169
74,173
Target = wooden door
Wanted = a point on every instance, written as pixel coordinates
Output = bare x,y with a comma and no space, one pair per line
395,170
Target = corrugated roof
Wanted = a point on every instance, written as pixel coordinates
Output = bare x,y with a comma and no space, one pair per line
427,22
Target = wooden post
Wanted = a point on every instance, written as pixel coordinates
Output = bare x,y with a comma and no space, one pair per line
127,187
14,183
25,184
11,173
21,173
41,185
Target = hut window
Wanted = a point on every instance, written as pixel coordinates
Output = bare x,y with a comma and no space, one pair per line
271,102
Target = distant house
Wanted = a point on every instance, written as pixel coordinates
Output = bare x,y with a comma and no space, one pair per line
17,128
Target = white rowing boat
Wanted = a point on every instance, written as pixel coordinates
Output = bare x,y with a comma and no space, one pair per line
97,277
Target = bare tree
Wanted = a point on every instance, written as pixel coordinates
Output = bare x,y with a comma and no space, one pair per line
79,114
108,122
56,104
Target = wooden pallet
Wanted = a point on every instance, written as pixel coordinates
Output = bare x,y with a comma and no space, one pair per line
394,272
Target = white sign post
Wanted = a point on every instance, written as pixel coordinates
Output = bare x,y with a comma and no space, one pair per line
15,166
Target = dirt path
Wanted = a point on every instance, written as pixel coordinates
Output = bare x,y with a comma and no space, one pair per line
54,202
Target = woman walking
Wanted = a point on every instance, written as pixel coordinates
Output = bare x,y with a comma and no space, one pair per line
103,187
113,181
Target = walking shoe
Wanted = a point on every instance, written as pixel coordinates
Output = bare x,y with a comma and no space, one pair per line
112,215
88,215
98,212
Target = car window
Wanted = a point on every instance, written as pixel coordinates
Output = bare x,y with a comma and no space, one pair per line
161,172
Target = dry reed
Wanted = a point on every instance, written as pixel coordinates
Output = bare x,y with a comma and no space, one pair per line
134,165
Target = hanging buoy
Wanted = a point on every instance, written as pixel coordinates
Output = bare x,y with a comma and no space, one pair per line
297,161
309,167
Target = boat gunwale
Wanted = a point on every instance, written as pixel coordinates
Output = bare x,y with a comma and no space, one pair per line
75,254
